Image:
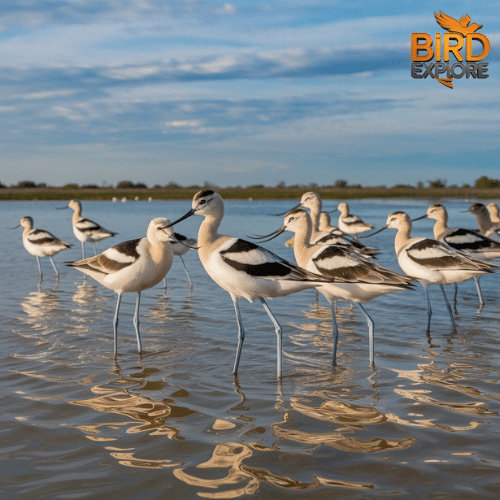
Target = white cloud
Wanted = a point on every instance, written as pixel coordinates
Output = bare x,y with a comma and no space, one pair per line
227,8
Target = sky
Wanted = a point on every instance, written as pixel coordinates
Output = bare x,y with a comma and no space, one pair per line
238,93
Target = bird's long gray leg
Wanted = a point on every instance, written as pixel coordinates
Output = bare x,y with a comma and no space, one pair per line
39,267
241,337
136,322
479,293
448,306
115,324
54,266
455,297
371,336
429,308
279,336
335,334
187,273
95,250
83,250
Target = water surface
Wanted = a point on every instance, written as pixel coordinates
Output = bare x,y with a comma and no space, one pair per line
174,423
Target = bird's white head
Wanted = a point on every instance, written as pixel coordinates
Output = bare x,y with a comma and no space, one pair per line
478,209
436,212
208,202
75,205
310,200
343,208
26,222
397,220
295,219
158,230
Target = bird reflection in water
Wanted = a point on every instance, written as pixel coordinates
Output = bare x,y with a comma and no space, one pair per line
42,308
151,415
431,379
242,479
316,336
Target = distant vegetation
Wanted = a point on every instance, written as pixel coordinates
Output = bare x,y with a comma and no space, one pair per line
483,187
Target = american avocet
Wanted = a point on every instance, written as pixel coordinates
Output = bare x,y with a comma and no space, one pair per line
41,243
365,279
244,269
484,222
334,236
432,262
494,212
179,248
464,240
329,234
350,223
85,229
132,266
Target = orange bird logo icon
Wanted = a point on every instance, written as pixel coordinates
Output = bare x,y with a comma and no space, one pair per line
462,26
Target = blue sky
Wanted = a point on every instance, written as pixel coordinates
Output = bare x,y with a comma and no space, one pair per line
238,93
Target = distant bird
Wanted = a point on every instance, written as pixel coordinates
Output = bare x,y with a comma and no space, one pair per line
132,266
85,229
464,240
462,26
494,212
432,262
244,269
350,223
327,234
334,236
365,280
41,243
179,248
485,224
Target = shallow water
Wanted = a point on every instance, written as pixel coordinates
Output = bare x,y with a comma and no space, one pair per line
174,423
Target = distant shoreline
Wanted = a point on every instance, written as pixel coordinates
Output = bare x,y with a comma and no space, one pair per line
256,193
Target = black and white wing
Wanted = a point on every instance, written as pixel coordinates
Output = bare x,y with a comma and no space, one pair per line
113,259
340,263
259,262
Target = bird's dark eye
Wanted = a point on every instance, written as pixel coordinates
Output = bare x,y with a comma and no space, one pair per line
202,202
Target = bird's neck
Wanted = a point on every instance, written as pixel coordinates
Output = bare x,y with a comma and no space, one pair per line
302,243
440,227
315,212
483,222
208,234
160,251
402,238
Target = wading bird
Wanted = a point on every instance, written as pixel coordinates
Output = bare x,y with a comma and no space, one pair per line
464,240
244,269
484,223
432,262
41,243
132,266
85,229
366,280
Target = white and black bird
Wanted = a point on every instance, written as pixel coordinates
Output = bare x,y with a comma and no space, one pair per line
356,278
132,266
471,242
351,224
242,268
41,243
85,229
431,261
484,223
180,247
322,233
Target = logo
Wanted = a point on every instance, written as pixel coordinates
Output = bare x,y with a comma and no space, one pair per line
459,42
